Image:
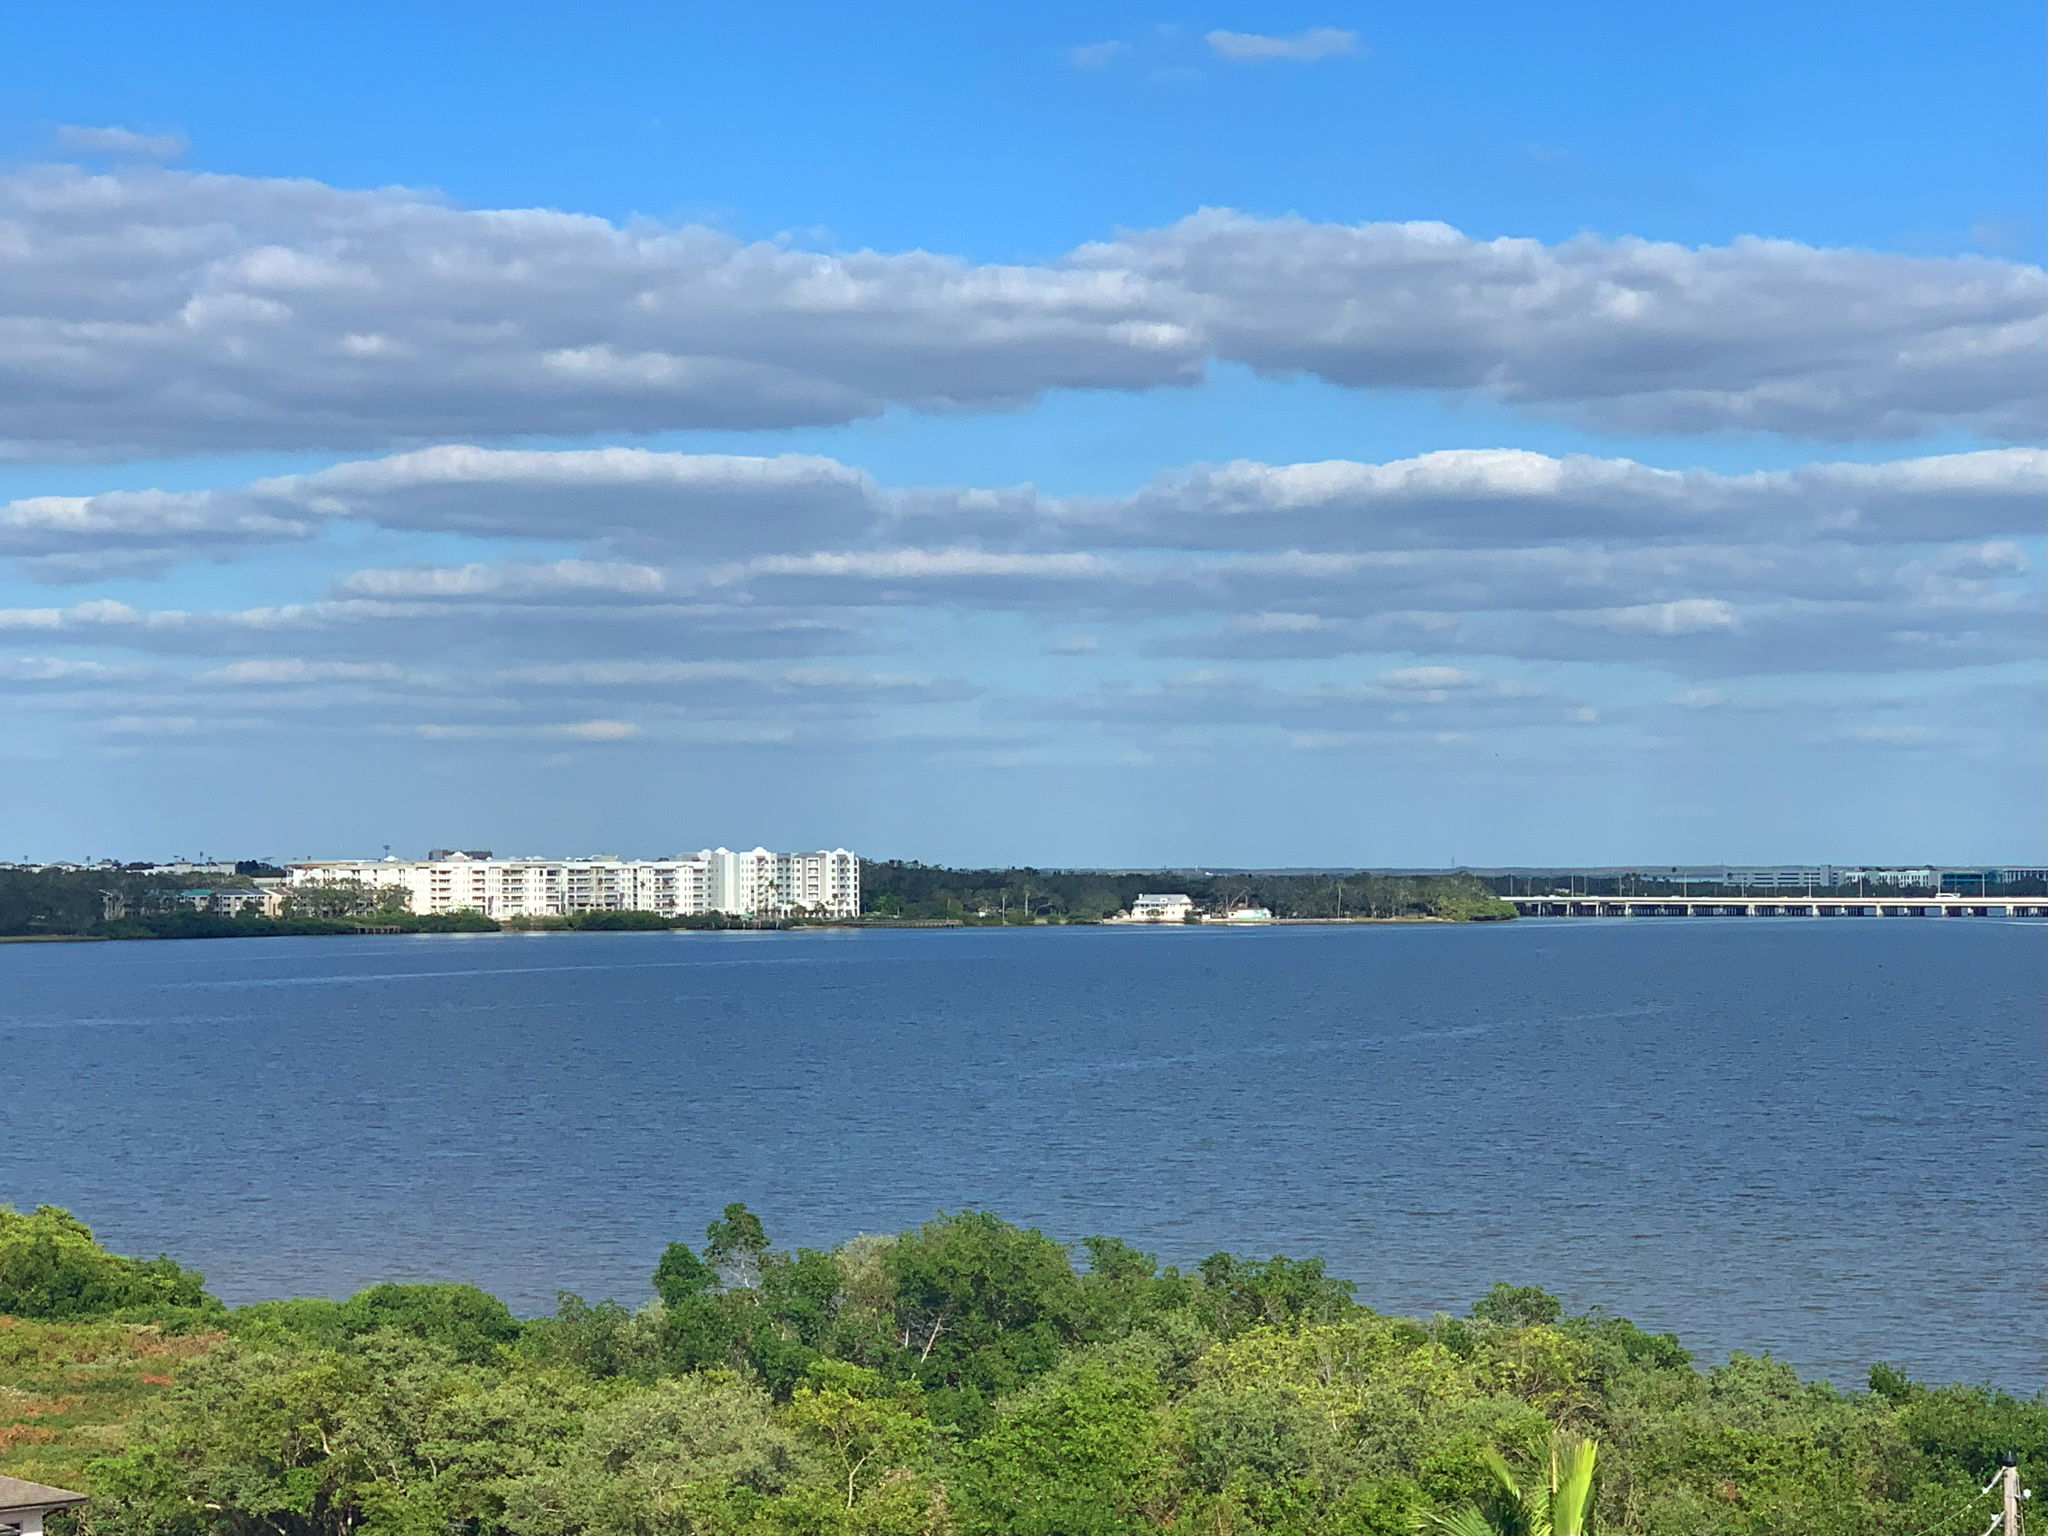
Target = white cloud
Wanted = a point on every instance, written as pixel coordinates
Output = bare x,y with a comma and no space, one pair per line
230,312
1458,595
153,725
1907,565
1234,699
554,579
354,629
1431,678
156,311
704,503
797,514
734,681
1256,47
122,141
894,565
574,730
1510,496
1313,603
274,670
1617,333
1684,616
1889,734
62,670
139,529
1096,55
598,700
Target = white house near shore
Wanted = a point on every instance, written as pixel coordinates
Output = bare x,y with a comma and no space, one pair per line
755,883
23,1505
1162,909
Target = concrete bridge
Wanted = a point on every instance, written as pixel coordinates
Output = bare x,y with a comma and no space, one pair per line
1783,904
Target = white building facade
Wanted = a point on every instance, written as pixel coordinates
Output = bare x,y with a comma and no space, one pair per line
1162,908
756,883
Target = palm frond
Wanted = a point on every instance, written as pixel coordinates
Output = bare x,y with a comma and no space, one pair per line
1498,1465
1573,1500
1462,1522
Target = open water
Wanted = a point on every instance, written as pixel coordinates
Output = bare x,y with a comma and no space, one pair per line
1821,1138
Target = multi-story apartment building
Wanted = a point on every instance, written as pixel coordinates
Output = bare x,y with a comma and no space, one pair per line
756,883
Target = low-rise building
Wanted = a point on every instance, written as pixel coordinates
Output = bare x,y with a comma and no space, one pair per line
1162,909
24,1505
1784,877
1888,875
754,883
1245,915
235,900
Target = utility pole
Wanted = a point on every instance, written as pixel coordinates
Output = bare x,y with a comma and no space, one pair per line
2009,1475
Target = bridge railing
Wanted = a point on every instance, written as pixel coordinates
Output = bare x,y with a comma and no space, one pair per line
1555,905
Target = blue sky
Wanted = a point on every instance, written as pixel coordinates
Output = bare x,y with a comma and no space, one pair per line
1673,376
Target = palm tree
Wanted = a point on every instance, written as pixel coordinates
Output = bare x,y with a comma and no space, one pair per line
1558,1509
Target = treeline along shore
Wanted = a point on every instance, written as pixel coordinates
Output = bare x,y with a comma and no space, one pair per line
965,1378
896,887
68,903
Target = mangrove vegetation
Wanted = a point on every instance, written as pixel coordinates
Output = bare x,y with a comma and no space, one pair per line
967,1377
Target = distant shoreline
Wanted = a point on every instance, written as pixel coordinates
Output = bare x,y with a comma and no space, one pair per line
879,925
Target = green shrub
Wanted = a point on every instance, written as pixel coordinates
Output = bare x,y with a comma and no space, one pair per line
50,1267
470,1324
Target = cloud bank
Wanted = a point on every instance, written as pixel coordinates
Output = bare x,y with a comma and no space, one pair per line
683,507
151,311
1321,603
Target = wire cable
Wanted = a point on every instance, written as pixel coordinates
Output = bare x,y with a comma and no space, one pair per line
1963,1509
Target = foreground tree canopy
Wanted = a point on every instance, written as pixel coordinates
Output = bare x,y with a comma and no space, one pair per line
970,1377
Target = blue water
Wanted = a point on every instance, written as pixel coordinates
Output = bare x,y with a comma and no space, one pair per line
1821,1138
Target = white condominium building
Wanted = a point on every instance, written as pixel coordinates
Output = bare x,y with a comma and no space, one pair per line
756,883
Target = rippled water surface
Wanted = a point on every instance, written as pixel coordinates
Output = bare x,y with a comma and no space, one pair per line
1823,1138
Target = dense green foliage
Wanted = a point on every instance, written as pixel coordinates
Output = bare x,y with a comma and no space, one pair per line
65,901
219,925
967,1378
468,1323
50,1267
617,922
626,922
893,888
343,899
